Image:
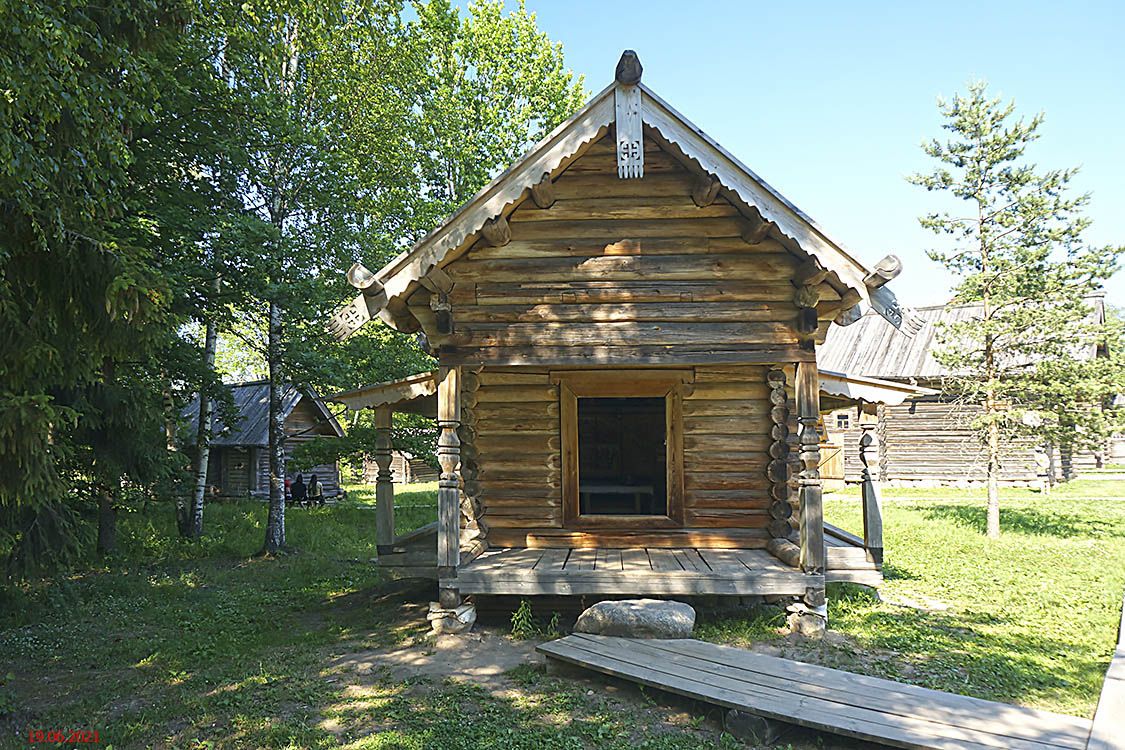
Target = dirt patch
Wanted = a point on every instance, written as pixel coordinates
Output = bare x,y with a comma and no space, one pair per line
478,657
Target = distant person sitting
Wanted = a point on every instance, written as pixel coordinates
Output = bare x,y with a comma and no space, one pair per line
316,491
298,491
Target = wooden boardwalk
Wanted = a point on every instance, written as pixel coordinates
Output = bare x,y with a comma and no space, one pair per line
1108,732
820,698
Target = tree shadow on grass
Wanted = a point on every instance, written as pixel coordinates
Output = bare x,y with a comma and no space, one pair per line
1026,521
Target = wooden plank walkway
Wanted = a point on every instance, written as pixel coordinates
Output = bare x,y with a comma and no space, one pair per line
820,698
632,571
1108,732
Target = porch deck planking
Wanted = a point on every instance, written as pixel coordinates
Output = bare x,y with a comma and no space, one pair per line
821,698
639,570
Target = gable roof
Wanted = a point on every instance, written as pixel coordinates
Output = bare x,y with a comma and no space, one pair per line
388,287
871,347
252,402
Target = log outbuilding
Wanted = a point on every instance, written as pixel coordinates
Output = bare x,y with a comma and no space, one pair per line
626,325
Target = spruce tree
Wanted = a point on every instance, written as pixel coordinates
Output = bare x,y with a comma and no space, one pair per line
1015,245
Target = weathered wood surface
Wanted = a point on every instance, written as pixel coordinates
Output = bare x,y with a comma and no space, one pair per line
631,570
518,435
1108,731
615,264
820,698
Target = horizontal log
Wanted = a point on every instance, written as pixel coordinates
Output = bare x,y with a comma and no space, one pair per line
656,208
728,391
727,518
708,461
517,462
491,491
668,311
726,425
734,480
724,442
546,410
759,266
610,186
749,409
506,522
534,291
624,334
498,425
509,394
628,356
521,500
490,445
688,537
564,248
721,499
606,163
736,374
511,475
502,378
614,230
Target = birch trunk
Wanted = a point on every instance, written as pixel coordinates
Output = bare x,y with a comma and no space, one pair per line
194,525
275,523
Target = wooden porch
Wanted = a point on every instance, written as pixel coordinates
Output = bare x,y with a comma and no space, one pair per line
634,570
644,571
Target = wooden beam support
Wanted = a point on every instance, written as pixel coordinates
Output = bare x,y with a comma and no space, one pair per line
872,499
809,273
497,232
705,190
449,483
813,553
757,233
384,486
543,192
884,271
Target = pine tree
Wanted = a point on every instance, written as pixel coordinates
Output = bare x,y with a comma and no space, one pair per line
1016,249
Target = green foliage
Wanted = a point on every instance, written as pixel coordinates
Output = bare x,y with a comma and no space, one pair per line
523,621
1015,244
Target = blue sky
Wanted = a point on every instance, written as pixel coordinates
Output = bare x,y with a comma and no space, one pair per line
829,101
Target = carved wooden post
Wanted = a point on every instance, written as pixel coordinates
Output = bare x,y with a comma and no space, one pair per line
449,485
811,502
872,500
384,486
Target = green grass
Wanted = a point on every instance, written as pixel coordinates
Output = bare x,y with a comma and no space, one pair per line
172,644
202,645
1031,618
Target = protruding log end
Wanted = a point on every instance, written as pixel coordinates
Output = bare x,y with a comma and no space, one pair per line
629,69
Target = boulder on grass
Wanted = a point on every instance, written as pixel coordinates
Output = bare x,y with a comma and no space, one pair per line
638,618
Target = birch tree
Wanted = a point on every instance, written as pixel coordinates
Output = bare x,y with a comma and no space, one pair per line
1014,243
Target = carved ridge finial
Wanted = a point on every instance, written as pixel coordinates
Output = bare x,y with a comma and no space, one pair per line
629,69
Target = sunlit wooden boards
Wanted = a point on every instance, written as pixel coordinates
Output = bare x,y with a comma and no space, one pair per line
631,570
820,698
1108,732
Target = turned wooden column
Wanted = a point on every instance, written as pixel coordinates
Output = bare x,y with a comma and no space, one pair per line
811,502
449,485
872,499
384,486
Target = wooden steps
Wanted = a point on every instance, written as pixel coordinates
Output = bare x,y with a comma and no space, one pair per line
820,698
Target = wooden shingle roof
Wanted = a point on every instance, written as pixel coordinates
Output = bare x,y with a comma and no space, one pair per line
873,348
252,402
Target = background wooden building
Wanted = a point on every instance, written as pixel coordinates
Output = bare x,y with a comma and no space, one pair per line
239,460
927,441
626,324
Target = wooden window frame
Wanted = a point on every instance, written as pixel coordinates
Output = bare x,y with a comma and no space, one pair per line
666,384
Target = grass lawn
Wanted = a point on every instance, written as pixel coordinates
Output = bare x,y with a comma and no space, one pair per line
1029,619
178,645
203,646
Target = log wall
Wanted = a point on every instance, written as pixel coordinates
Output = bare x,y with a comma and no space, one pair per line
622,271
726,441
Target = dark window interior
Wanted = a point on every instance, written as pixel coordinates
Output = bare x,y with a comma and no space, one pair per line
622,461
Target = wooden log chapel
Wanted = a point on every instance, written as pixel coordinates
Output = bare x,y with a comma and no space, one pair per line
626,324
